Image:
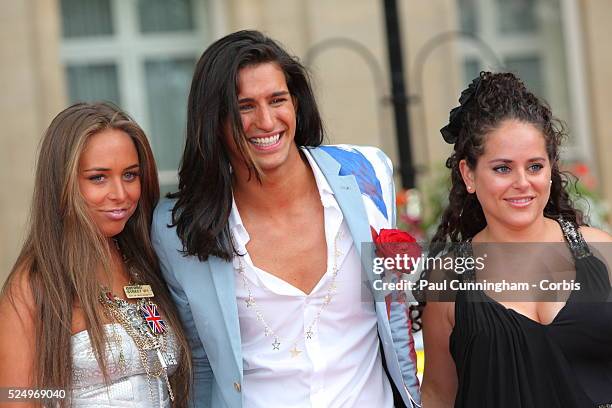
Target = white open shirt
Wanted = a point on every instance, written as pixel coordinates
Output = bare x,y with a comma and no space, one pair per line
341,365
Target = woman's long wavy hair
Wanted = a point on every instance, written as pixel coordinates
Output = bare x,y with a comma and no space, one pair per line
204,197
497,98
64,248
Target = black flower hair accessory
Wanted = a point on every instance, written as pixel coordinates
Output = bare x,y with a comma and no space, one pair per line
450,132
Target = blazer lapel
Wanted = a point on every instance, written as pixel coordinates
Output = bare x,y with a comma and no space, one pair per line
223,278
349,199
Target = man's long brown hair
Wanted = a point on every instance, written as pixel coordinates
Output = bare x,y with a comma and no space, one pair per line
64,248
204,196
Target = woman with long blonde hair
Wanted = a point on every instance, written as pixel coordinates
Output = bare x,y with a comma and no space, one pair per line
84,309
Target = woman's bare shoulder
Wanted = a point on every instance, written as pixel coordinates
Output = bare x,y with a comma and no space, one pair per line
17,302
591,234
17,331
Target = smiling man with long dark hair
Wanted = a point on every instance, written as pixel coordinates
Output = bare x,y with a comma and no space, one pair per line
261,244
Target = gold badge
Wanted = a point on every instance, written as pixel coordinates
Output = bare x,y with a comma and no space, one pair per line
138,291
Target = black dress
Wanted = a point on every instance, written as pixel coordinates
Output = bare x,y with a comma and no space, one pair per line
505,359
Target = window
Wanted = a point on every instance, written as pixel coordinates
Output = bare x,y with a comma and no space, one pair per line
139,54
532,39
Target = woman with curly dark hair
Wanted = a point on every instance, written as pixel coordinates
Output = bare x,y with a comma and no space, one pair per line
506,187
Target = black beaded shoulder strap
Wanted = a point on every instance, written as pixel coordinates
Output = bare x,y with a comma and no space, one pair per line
576,242
464,250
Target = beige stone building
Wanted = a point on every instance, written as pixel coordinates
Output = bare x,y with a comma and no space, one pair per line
140,54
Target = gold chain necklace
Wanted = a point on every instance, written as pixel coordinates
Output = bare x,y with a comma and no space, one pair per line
143,323
130,317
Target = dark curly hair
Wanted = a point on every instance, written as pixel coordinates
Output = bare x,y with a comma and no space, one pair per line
494,98
491,99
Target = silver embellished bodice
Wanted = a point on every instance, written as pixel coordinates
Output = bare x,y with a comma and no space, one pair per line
129,383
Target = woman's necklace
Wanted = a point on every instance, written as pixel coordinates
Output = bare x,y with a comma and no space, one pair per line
143,323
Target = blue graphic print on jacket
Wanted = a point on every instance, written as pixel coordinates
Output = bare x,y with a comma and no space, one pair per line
353,162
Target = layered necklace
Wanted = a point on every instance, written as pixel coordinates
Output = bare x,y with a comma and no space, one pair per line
143,323
251,303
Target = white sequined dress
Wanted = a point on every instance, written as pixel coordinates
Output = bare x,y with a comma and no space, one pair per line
129,383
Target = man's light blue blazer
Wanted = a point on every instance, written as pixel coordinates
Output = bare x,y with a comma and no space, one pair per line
204,292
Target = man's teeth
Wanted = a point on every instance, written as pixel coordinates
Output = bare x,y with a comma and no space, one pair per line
265,141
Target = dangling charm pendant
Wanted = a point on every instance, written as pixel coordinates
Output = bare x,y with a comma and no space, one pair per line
151,316
122,362
295,351
162,361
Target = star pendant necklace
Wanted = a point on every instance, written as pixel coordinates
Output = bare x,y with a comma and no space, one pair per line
251,303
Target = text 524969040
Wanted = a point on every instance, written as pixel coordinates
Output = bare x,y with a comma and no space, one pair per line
23,394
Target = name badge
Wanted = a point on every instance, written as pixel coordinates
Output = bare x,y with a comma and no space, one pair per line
138,291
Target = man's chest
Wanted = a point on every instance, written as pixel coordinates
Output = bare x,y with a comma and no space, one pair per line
295,254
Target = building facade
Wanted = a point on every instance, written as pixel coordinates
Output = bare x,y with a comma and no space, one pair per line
140,54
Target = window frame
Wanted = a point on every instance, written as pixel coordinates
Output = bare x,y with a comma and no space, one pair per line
579,147
129,49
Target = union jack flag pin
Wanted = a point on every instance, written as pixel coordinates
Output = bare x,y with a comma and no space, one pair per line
151,315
